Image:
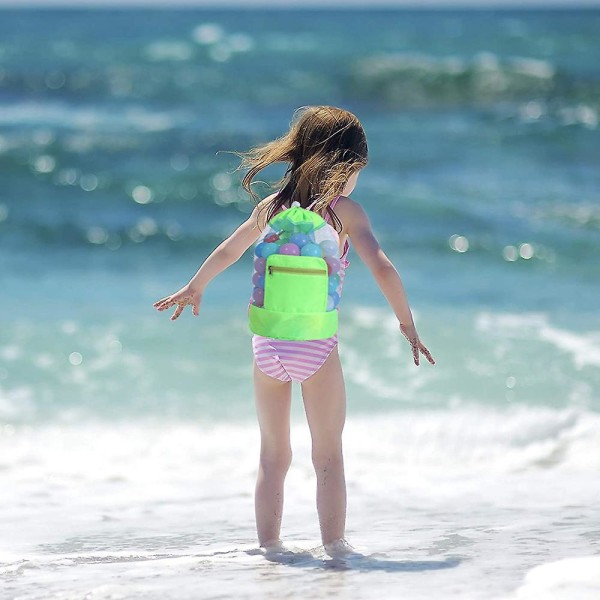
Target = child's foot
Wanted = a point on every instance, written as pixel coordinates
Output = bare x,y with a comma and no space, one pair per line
276,551
341,548
273,546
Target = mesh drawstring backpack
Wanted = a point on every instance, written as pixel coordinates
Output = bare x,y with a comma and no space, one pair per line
297,277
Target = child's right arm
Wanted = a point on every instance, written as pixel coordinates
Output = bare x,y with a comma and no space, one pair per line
223,256
361,235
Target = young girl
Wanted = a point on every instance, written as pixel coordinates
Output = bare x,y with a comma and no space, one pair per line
325,149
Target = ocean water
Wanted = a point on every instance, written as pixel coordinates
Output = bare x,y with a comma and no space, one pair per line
128,443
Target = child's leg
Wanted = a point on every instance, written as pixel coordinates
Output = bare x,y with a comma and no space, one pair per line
273,400
324,397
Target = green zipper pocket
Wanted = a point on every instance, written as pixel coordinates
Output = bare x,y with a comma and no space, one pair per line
275,269
296,284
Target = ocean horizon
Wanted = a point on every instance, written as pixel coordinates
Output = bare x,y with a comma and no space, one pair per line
436,5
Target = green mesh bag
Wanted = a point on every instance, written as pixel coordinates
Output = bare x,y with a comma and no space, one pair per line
297,278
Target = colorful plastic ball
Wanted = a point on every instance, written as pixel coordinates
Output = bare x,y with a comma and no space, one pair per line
334,265
273,237
289,249
258,249
330,248
300,239
311,249
268,249
334,281
258,296
258,280
335,297
260,264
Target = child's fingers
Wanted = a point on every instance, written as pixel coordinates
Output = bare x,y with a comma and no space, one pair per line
414,344
427,354
165,304
177,312
159,302
415,351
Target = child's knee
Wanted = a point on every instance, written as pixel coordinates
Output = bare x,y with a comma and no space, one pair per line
327,460
276,460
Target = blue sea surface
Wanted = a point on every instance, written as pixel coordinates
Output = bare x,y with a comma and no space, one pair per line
117,182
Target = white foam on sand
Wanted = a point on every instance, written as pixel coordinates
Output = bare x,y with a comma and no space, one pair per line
464,501
567,579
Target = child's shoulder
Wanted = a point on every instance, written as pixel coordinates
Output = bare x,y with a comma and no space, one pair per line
259,210
348,210
345,202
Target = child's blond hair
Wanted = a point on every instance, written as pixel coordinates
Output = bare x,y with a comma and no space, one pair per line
323,148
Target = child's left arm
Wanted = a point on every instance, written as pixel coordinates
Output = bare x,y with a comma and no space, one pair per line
223,256
385,274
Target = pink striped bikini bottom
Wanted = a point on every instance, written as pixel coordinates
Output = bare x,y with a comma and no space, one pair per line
291,360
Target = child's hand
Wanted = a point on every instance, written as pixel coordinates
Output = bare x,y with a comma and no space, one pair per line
410,333
186,295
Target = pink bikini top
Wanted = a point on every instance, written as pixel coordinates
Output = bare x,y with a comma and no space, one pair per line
344,255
